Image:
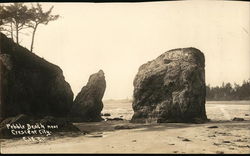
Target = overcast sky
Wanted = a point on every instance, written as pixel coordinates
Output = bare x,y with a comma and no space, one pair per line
119,37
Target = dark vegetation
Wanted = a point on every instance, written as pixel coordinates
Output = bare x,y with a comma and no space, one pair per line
227,92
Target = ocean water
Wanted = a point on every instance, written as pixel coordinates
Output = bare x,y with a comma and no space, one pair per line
118,108
215,110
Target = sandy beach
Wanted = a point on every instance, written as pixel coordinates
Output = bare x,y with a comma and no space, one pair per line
221,135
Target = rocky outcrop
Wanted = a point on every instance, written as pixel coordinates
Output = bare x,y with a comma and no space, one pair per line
31,85
171,88
88,103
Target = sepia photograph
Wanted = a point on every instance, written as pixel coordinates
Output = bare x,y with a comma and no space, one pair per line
167,77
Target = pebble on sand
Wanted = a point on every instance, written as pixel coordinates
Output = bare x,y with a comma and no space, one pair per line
212,127
238,119
106,114
186,139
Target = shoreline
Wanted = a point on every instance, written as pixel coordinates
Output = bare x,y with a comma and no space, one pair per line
229,137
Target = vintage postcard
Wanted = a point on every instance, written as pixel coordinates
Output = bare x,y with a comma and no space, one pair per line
168,77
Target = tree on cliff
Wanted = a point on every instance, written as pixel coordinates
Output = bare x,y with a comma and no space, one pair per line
13,19
38,16
17,16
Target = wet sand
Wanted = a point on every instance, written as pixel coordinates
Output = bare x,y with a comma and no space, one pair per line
225,136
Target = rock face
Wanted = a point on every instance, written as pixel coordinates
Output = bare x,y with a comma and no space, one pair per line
88,103
171,88
30,85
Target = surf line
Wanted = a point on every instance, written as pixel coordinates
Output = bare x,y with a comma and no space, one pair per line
225,113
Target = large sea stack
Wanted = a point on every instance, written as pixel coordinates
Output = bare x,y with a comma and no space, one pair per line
171,88
31,85
88,103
